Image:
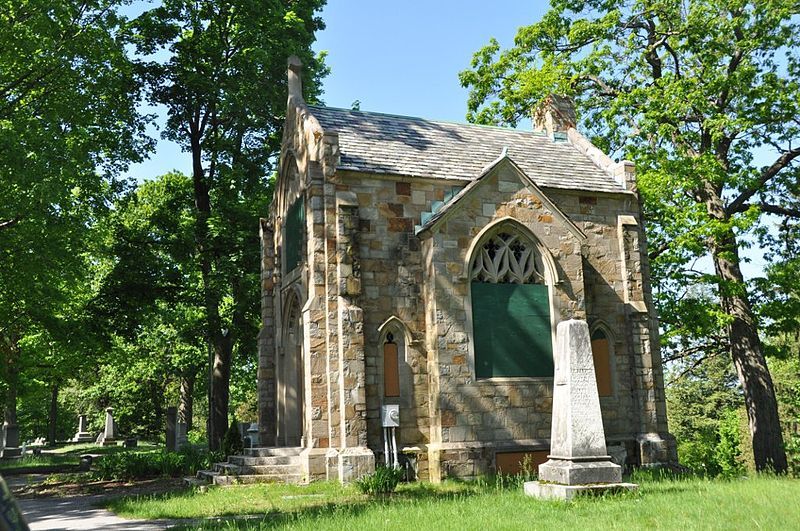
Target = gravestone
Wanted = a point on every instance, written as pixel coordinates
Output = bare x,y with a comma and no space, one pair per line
82,435
181,437
172,419
109,435
578,462
11,440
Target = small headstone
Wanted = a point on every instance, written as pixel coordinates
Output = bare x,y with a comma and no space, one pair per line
130,442
172,419
109,435
252,433
86,463
82,435
578,460
11,440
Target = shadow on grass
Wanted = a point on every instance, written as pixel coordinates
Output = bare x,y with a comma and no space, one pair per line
345,508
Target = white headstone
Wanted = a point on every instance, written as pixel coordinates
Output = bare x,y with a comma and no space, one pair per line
109,435
82,435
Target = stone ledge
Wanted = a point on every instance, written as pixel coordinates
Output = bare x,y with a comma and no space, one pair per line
555,491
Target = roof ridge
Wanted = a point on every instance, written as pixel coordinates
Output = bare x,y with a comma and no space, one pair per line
420,118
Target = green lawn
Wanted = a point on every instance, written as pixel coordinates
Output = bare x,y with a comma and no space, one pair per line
91,448
691,503
68,454
40,461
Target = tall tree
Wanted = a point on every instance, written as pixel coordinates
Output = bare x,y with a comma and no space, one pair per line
224,89
68,125
149,298
688,89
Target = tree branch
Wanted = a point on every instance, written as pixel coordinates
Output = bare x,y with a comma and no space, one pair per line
784,160
8,223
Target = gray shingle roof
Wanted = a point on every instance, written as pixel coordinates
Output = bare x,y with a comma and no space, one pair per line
402,145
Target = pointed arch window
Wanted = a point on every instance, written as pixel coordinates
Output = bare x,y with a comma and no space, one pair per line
294,233
602,353
512,330
391,367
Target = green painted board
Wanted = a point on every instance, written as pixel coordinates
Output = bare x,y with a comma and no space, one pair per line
511,330
295,233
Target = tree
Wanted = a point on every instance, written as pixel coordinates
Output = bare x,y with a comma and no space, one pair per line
224,88
68,125
149,299
689,91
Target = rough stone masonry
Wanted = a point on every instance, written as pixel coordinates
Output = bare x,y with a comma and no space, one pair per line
426,265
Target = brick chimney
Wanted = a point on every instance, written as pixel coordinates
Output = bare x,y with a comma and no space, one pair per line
556,114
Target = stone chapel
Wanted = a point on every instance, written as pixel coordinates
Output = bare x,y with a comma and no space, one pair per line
424,266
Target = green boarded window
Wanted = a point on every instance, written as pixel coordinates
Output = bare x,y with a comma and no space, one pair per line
510,309
294,234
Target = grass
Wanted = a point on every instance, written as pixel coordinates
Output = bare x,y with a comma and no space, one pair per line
91,448
39,461
664,503
67,455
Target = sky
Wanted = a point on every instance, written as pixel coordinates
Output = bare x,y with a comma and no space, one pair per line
394,57
402,58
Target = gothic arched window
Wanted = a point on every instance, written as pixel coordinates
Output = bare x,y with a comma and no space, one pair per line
512,330
603,352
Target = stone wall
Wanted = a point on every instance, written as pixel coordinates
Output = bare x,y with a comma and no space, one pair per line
366,272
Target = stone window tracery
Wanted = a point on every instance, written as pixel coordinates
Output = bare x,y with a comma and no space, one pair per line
510,301
507,258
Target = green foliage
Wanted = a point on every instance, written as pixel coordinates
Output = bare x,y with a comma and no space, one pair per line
704,96
727,454
233,444
786,375
704,405
383,481
219,69
140,465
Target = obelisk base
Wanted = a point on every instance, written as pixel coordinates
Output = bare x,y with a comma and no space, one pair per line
580,471
555,491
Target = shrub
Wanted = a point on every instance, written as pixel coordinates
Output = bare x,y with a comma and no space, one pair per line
383,481
727,454
142,465
232,443
127,465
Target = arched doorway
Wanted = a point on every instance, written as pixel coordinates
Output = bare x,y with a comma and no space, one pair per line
290,377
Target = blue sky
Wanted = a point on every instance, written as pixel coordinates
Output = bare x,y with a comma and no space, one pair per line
402,58
395,57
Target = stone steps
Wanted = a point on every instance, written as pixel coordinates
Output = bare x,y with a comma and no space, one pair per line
217,478
272,452
246,470
257,465
243,460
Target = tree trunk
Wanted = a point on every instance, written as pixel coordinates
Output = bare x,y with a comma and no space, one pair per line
220,339
186,405
220,385
12,381
759,392
52,421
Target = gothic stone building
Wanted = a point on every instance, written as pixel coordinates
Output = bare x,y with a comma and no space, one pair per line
426,265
